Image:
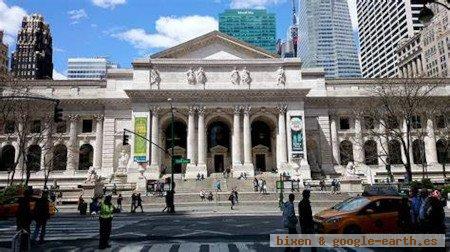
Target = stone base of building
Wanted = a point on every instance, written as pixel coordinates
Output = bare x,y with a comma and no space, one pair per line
193,170
247,169
351,185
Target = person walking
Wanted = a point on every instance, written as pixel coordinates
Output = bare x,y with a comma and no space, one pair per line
433,215
255,184
139,202
289,219
23,215
416,202
81,205
404,216
106,216
133,203
305,214
41,216
119,202
231,199
236,197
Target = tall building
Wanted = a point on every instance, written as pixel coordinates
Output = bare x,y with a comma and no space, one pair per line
257,27
326,38
3,58
288,48
381,27
88,68
33,56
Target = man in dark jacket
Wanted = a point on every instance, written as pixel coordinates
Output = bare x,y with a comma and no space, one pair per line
41,216
23,216
305,214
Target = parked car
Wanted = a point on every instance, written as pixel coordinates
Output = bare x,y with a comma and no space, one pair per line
361,214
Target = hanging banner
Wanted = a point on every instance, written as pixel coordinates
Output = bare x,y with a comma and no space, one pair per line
140,144
297,133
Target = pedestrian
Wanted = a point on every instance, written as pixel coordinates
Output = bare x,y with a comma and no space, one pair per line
198,176
53,197
433,215
218,187
333,186
81,205
289,219
305,213
106,216
94,206
202,195
264,187
236,197
416,202
41,216
114,189
210,196
322,185
23,215
202,177
139,202
104,190
425,204
59,198
133,202
231,199
404,216
119,202
255,184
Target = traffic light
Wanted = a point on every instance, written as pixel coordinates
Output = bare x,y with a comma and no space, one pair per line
125,138
57,114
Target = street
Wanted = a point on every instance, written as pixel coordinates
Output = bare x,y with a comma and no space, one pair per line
161,232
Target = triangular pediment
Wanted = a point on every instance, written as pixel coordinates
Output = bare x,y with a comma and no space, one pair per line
215,46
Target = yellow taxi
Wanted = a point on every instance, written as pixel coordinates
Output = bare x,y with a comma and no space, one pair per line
361,214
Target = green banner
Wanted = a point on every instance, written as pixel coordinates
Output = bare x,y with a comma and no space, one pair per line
297,133
140,144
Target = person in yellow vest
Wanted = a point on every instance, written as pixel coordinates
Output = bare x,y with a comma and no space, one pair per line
106,216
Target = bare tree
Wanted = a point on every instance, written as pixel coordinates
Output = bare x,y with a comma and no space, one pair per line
399,109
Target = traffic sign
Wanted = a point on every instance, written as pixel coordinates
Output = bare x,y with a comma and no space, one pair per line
182,161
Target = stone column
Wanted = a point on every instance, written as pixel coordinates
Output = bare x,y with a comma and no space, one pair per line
154,155
383,144
430,143
281,137
72,150
414,68
236,139
334,140
191,136
201,137
358,150
247,137
98,141
47,150
20,133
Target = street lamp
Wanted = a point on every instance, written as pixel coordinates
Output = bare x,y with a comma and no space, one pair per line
426,14
172,183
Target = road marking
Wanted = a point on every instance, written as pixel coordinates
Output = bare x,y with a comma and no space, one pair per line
161,247
127,248
218,247
189,246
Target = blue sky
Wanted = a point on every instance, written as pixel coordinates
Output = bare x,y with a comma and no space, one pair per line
127,29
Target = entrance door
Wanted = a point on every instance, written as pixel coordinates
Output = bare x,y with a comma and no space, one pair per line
218,163
177,167
261,162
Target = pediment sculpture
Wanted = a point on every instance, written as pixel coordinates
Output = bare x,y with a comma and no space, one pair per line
155,78
190,75
245,77
281,76
201,76
235,77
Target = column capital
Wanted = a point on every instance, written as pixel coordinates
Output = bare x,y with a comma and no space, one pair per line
201,110
237,109
191,110
155,110
282,108
247,109
74,118
99,117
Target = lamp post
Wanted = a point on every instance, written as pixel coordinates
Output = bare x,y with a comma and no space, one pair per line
426,14
172,183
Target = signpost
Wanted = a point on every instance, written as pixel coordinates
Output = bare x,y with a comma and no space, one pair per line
182,161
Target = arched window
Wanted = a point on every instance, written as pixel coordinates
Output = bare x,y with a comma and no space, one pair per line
395,152
370,152
86,157
346,152
418,147
218,134
7,157
443,151
60,157
261,134
34,158
180,135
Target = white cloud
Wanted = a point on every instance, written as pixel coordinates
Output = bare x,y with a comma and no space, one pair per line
108,4
10,20
248,4
353,13
170,31
58,76
77,14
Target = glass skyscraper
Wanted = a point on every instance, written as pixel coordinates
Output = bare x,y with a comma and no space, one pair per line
326,38
256,27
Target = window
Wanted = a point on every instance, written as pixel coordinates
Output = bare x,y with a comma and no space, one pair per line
344,123
441,122
369,123
61,127
346,152
416,122
9,127
87,126
370,153
418,147
392,123
35,126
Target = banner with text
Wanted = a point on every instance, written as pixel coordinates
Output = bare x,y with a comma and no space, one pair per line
140,144
297,134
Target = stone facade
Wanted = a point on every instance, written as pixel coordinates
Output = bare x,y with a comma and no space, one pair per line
230,110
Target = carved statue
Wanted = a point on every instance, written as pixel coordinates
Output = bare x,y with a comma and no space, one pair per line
235,78
350,171
154,77
281,76
92,175
201,76
123,159
245,77
191,76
